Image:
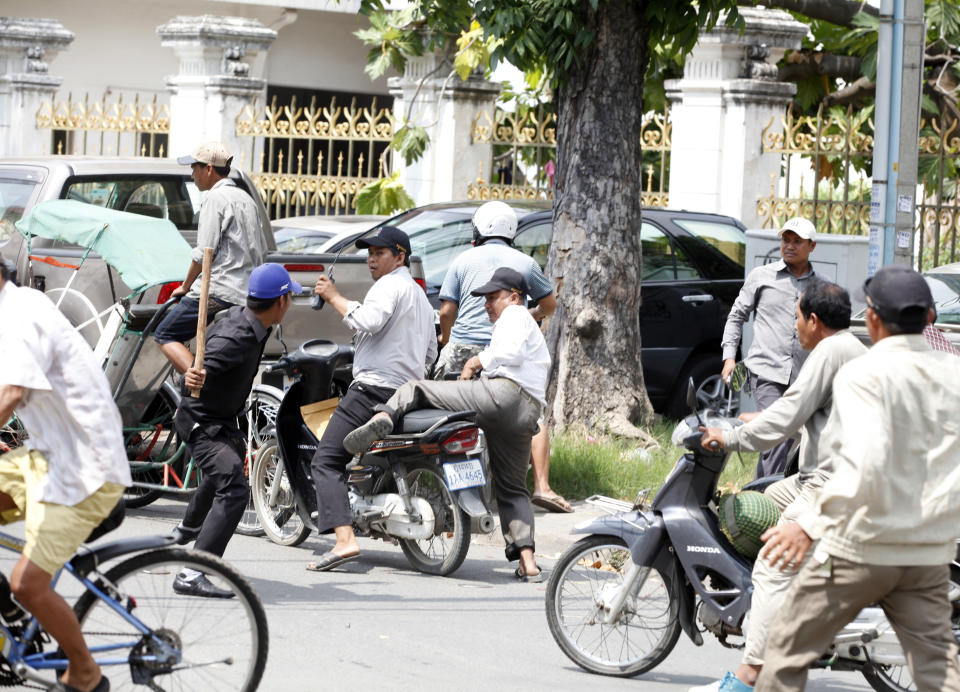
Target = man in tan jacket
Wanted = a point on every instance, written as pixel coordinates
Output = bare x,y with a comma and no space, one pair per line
887,519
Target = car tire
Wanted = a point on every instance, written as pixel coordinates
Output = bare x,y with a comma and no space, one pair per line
700,368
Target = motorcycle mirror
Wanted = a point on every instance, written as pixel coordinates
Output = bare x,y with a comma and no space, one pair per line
279,335
692,401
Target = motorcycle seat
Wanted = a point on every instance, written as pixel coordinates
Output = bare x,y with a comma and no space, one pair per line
422,419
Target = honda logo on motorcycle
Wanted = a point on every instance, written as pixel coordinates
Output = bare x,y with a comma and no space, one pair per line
702,549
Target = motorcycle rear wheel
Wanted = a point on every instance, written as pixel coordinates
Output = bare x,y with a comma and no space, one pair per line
281,522
445,551
648,626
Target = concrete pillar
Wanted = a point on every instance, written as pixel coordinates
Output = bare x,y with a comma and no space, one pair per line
728,94
446,106
27,46
214,83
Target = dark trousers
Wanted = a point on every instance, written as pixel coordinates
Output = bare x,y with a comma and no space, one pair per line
219,502
329,462
774,460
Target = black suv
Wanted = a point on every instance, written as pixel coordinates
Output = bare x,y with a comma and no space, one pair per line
692,272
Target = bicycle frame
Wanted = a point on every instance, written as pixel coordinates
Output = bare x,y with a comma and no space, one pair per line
82,564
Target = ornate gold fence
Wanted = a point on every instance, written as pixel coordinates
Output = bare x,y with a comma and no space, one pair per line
524,146
106,127
825,177
314,160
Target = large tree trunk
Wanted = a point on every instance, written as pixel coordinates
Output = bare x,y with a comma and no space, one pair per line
595,254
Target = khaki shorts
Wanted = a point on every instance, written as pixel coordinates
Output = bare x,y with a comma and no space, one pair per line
53,532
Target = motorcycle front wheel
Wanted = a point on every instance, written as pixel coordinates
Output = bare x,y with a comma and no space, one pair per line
590,572
279,517
443,552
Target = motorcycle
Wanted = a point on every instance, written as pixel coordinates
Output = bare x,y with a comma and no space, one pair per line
424,486
619,598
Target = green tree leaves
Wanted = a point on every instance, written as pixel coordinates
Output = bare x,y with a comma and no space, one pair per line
386,196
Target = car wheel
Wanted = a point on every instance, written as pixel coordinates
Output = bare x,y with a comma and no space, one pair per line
711,392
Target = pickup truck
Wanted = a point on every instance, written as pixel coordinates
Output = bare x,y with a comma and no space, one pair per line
160,188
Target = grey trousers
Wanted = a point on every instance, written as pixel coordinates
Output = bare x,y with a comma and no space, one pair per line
774,459
508,417
914,600
770,584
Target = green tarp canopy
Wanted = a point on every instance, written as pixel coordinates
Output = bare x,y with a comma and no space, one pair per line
144,250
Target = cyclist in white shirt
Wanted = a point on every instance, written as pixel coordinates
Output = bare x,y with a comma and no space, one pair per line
508,399
73,468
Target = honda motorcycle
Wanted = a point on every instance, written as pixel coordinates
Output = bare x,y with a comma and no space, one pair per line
423,486
619,598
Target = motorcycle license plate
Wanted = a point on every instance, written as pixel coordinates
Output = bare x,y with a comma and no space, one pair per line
464,474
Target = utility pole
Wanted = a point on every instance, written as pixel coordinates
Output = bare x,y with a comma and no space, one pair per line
897,119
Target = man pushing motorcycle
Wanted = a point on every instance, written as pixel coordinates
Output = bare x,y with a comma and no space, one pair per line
822,321
508,399
887,518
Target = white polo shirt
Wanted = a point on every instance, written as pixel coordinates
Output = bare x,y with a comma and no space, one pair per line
67,410
518,352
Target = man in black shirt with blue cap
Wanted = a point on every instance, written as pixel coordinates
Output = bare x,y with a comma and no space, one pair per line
208,423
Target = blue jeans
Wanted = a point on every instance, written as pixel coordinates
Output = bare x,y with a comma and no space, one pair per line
180,324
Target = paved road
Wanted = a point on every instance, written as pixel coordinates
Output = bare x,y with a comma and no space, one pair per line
376,624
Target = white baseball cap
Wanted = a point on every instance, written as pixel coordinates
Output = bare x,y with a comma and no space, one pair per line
801,226
212,153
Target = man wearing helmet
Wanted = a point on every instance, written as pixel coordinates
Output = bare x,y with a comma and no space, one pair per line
465,329
771,292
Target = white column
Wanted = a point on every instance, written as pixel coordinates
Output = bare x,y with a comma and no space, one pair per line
213,83
27,46
446,106
728,94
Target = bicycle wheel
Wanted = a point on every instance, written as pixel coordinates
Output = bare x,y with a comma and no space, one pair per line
221,643
155,442
445,551
588,573
279,517
258,423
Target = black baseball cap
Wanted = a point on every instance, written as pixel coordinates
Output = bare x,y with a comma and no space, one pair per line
506,279
899,295
387,236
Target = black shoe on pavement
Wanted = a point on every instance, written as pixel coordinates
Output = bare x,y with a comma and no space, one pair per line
199,586
184,534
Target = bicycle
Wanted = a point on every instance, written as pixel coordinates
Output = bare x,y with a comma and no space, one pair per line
138,630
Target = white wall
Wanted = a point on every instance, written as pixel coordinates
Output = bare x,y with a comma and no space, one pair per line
117,48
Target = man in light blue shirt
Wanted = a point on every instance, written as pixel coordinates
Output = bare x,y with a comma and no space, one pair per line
465,329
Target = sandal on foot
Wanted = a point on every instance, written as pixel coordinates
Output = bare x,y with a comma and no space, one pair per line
552,503
330,560
529,578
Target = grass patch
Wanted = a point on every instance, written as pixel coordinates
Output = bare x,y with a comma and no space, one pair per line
581,466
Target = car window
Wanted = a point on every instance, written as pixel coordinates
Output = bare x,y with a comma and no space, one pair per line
535,242
437,238
729,240
946,296
300,240
658,257
14,195
162,197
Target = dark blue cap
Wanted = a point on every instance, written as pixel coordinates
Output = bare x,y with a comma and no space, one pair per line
271,280
504,279
387,236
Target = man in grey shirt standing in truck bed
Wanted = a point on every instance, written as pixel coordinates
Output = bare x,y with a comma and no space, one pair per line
771,292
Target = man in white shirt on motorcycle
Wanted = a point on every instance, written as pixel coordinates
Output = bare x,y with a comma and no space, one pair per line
508,398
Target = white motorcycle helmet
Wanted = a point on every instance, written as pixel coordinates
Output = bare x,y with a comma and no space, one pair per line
495,220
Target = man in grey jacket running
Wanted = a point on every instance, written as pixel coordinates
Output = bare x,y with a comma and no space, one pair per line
887,518
822,321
